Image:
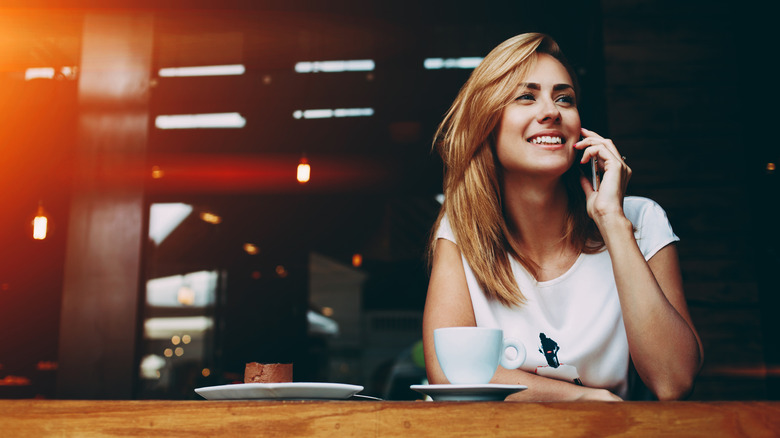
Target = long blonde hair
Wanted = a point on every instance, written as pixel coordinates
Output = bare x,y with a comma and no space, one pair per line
472,184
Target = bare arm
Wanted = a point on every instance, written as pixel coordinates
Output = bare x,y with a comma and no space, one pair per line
662,341
448,304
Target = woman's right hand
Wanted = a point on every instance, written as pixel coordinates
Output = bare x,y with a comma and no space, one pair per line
608,199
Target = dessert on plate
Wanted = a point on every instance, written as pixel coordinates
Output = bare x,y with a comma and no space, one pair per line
268,373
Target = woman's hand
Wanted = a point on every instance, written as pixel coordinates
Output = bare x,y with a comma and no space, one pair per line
608,199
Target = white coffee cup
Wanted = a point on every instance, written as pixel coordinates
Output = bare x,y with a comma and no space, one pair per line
471,355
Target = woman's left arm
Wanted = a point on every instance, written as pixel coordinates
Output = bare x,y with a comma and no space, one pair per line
663,343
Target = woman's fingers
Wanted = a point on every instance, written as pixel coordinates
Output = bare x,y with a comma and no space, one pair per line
598,146
608,159
593,139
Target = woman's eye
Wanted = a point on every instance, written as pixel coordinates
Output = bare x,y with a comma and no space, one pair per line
526,96
566,99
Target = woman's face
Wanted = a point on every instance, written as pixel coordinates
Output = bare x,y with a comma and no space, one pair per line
538,129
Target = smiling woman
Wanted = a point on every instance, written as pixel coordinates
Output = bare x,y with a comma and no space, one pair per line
525,243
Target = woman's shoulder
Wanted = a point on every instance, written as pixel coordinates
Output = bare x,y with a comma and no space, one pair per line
636,209
653,230
444,229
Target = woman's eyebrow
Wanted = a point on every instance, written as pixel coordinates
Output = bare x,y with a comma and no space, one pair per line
536,86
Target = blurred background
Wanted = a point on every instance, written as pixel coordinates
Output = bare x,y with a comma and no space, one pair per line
228,182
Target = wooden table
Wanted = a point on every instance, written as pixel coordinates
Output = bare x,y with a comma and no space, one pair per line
36,418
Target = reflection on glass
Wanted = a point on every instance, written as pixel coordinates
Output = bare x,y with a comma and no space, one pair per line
333,113
448,63
164,218
196,289
335,66
194,121
65,72
178,333
204,70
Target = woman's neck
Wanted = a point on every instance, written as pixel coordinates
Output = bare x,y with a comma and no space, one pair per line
536,211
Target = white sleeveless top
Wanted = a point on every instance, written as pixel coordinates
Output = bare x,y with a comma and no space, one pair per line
577,314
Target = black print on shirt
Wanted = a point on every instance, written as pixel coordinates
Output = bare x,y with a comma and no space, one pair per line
555,369
550,350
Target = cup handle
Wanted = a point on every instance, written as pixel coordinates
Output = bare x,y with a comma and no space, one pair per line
519,359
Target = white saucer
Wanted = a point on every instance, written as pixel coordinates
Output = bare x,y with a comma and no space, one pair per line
488,392
280,391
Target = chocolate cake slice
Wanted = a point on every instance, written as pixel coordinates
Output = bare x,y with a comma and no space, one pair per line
268,372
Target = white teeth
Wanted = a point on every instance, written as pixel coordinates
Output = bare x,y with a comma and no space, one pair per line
546,139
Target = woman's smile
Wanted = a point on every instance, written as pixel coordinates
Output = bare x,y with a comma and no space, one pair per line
548,140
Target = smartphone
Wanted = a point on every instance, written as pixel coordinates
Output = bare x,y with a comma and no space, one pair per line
590,170
594,169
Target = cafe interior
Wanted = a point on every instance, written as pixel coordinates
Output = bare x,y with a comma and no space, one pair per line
186,188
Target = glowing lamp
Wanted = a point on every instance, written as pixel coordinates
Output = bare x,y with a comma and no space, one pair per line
251,249
304,171
40,224
210,218
357,260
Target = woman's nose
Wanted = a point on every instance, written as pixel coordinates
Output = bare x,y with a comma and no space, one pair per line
548,112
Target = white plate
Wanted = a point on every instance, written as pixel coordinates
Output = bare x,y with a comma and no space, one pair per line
280,391
489,392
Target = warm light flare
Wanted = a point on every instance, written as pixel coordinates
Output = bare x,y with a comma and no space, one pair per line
205,173
47,365
357,260
304,171
157,173
15,381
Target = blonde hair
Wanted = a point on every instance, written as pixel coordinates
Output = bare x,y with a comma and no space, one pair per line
472,184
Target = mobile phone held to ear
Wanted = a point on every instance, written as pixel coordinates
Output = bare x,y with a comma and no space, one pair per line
594,168
590,170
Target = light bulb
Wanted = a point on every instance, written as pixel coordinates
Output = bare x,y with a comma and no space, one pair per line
40,224
304,171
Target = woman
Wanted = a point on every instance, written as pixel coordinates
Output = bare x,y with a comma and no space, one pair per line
526,244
